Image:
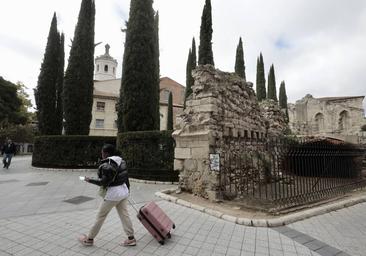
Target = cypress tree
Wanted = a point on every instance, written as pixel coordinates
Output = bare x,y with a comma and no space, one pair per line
261,80
205,55
59,87
169,124
191,65
239,60
78,81
45,93
157,67
272,93
138,105
189,78
283,98
194,55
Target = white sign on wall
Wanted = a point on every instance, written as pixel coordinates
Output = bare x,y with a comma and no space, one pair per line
215,162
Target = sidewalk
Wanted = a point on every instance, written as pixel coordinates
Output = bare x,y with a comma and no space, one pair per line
36,220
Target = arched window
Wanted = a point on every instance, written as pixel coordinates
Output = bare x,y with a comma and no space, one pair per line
343,122
97,67
319,122
114,70
106,68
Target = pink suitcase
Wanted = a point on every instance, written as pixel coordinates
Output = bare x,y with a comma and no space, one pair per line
156,221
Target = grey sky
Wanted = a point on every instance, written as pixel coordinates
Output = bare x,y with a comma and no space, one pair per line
316,46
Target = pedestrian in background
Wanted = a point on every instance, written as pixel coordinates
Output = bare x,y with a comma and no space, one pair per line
8,150
114,188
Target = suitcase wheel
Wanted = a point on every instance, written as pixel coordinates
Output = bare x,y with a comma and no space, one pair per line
169,235
173,226
161,242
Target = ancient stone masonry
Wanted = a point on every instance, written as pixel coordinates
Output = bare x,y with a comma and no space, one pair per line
222,109
337,117
276,119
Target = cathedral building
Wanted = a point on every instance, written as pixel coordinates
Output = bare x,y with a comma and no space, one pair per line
106,94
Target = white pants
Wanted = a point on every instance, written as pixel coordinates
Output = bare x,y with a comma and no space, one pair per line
104,209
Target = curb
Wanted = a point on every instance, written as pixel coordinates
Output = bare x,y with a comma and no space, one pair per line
95,170
63,170
273,222
153,182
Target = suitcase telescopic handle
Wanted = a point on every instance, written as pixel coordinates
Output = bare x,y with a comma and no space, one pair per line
133,202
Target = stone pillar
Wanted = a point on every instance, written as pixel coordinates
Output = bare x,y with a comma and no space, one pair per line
192,161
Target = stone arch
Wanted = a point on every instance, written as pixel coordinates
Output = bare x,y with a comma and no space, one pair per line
343,121
319,122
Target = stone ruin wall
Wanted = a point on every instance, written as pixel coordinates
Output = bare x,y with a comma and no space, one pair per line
303,117
276,121
221,109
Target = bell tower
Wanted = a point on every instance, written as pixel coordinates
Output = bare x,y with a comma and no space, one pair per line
105,66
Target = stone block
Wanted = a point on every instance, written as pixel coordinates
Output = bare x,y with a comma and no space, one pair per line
209,100
244,221
190,165
234,132
178,164
192,143
226,131
212,195
260,223
184,203
213,212
197,207
202,152
207,108
229,218
276,222
182,153
191,103
206,95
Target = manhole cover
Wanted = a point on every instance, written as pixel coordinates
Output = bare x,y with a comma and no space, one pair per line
38,183
78,199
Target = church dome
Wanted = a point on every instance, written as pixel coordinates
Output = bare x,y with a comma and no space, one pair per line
105,66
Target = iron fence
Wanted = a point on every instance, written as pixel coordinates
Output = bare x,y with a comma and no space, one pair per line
289,172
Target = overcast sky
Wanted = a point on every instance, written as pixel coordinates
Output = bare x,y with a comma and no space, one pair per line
317,47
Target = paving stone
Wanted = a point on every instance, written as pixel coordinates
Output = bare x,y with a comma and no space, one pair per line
328,251
303,239
37,183
8,181
315,245
54,231
78,199
233,252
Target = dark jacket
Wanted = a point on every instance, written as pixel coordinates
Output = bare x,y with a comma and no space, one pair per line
111,174
8,148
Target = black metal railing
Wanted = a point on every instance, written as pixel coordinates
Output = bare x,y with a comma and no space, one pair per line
289,172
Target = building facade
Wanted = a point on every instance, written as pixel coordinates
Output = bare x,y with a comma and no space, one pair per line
338,117
106,94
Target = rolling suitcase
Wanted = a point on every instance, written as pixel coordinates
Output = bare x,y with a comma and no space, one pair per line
156,221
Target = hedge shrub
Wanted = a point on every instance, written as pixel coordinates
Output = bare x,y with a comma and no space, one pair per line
149,154
69,151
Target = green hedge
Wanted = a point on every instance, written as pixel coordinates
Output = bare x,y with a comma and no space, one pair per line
149,154
69,151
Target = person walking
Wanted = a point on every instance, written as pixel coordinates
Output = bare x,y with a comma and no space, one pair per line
8,150
114,188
